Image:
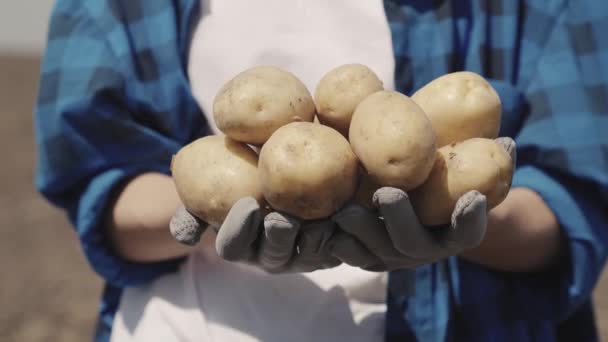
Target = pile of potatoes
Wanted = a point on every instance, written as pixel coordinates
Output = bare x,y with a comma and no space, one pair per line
319,152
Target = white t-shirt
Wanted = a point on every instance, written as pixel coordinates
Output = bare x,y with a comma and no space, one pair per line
209,299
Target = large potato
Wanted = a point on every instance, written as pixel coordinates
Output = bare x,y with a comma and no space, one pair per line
474,164
340,91
394,140
460,105
212,173
252,105
307,170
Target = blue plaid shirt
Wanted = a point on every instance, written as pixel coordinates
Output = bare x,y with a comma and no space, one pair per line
114,101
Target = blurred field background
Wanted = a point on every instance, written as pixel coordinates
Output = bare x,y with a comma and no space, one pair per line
47,291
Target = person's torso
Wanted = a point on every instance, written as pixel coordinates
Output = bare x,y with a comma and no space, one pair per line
428,40
235,302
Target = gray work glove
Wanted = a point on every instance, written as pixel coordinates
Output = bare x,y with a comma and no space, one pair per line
273,241
389,239
393,238
397,240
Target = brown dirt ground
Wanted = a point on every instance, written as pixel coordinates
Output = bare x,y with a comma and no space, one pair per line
47,291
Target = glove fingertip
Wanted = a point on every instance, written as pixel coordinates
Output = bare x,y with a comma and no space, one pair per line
509,145
246,204
469,221
389,196
185,227
277,220
470,203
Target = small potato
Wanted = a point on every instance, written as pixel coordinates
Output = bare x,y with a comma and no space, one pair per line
474,164
340,91
460,105
393,139
255,103
212,173
307,170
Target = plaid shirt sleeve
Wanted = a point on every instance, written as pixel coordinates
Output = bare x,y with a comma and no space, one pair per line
110,107
549,62
563,145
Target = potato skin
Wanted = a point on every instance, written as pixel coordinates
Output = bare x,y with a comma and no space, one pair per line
259,100
474,164
340,91
461,105
307,170
393,139
214,172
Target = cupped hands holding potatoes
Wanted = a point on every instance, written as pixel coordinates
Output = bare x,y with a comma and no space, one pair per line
382,181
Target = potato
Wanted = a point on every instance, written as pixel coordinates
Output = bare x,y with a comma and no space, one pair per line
393,139
307,170
460,105
475,164
212,173
340,91
257,101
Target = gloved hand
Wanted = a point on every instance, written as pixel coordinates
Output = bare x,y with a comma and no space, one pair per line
397,240
393,238
273,241
279,243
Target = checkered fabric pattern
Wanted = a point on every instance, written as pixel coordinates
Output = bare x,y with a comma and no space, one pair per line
549,62
114,101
